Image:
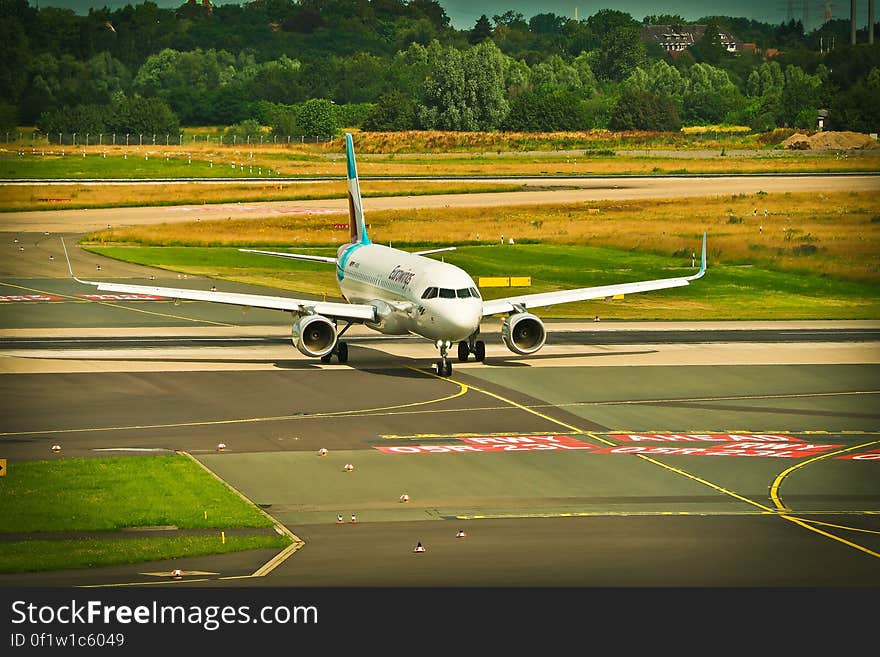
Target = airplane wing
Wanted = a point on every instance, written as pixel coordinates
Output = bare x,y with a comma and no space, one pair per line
519,303
430,251
333,310
295,256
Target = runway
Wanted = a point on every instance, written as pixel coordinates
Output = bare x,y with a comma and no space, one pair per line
578,190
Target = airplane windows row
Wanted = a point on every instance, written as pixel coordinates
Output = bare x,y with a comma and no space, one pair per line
446,293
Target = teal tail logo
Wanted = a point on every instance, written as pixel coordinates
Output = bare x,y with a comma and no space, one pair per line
357,228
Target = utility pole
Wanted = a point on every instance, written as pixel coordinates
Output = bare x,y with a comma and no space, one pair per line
852,22
870,21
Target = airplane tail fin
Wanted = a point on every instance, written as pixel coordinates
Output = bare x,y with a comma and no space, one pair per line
357,227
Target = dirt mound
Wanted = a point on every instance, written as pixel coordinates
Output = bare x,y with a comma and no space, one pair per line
797,142
830,141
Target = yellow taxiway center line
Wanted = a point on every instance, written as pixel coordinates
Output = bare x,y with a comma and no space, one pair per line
500,398
851,529
806,525
720,489
573,514
153,583
774,488
277,418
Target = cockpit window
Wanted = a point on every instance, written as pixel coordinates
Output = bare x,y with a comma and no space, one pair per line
463,293
474,293
447,293
430,293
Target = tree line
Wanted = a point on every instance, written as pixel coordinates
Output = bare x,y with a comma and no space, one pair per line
313,66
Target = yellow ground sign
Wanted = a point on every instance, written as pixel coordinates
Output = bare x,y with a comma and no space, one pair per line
2,467
494,281
505,281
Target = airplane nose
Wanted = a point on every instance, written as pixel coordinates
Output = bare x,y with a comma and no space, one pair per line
467,320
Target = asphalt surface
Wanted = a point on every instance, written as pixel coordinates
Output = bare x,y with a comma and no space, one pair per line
673,472
785,334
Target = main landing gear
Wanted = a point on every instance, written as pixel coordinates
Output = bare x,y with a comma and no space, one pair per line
472,346
340,351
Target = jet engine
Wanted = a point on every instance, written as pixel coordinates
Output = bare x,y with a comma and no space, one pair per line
523,333
314,335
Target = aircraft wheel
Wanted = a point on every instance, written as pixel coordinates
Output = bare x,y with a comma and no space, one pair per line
480,351
463,351
327,357
342,352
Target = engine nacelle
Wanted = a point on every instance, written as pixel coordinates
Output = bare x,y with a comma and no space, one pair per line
388,320
523,333
314,335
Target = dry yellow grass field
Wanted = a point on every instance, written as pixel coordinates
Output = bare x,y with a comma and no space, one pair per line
837,234
41,197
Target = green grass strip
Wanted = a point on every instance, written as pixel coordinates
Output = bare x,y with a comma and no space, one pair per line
727,291
116,492
37,555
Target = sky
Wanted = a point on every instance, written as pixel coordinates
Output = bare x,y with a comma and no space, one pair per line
464,13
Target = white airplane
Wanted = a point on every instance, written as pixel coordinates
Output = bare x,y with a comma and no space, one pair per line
398,293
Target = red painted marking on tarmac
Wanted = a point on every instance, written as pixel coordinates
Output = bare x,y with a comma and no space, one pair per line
702,437
492,444
737,445
13,298
872,455
773,450
121,297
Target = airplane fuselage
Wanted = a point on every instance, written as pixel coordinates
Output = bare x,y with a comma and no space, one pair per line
412,293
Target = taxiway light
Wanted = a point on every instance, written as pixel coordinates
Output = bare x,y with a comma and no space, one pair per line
221,447
404,498
56,449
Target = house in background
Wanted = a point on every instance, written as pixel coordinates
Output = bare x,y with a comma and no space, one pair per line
766,53
675,38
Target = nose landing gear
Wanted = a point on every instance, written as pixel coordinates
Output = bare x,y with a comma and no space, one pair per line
444,365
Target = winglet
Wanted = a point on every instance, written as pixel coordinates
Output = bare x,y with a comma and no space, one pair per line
67,258
702,271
